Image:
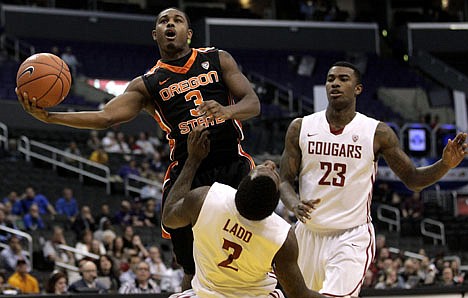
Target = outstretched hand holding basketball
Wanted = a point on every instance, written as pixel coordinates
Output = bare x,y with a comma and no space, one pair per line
31,107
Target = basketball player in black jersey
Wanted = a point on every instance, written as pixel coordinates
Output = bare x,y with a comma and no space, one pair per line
186,88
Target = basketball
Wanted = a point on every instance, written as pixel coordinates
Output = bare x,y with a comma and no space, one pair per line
45,77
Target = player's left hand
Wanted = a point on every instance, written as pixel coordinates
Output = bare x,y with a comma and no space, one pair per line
215,109
455,151
198,144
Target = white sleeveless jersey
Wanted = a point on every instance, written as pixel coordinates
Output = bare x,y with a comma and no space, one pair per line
233,255
339,169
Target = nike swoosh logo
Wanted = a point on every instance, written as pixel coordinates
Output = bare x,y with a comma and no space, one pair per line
162,82
312,134
29,69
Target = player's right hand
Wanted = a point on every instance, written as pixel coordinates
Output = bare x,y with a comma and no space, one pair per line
31,107
198,143
303,210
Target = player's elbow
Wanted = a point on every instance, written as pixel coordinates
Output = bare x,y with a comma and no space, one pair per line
413,186
169,219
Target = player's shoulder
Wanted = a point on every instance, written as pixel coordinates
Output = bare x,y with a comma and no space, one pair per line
206,50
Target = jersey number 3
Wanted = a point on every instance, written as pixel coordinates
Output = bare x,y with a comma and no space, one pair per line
339,170
237,249
197,98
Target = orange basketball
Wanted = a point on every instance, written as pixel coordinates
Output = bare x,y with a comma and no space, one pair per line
45,77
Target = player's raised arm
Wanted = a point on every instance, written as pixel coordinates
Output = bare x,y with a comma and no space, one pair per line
182,205
416,179
247,102
287,271
120,109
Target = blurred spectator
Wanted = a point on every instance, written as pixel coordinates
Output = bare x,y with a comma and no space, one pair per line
33,221
130,274
145,145
123,217
22,280
410,274
138,215
130,168
84,221
108,274
384,194
134,146
428,272
128,236
447,279
88,283
99,156
389,280
5,223
105,230
117,251
51,250
137,247
146,171
151,214
157,267
93,142
72,62
122,143
57,283
109,142
67,204
142,283
29,197
3,282
172,281
156,163
104,212
88,245
14,200
412,212
71,149
150,191
12,253
368,280
55,50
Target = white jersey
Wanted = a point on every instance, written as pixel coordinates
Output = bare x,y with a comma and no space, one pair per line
339,169
233,255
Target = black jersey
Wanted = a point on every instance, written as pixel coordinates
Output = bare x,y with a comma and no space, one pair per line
178,87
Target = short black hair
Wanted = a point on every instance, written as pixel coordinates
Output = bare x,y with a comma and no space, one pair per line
257,198
189,24
357,72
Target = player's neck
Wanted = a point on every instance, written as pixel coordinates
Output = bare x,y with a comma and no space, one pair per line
169,56
338,119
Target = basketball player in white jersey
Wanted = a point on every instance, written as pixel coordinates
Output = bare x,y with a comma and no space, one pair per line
334,155
238,240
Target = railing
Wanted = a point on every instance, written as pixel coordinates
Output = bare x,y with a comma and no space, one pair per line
128,180
26,147
408,254
78,252
4,136
19,48
426,223
285,96
391,221
28,237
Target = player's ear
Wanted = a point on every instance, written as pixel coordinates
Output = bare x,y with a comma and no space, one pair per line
153,33
358,89
189,34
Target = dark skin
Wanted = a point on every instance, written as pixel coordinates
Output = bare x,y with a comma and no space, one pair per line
171,34
183,208
342,89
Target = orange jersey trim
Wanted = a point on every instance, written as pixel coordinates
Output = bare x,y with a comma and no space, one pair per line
178,69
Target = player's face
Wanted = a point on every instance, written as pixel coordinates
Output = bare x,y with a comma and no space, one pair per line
268,168
341,86
171,31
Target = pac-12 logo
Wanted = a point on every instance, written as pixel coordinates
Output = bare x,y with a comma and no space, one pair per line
205,65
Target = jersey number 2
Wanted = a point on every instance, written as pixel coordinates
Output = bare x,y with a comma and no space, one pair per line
338,168
237,249
197,98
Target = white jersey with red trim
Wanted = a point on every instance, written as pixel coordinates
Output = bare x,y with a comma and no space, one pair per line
233,255
339,168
